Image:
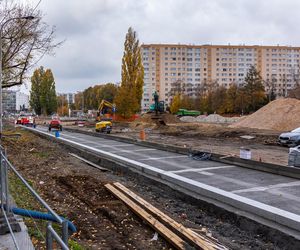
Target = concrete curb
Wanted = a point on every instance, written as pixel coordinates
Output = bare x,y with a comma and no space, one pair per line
271,216
251,164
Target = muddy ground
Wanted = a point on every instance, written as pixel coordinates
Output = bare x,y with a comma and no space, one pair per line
75,190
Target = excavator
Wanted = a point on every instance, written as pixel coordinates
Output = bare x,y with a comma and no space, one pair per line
103,119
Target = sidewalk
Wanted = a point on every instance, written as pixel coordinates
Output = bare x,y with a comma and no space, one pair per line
22,238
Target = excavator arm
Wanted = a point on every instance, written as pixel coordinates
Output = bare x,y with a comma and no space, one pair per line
102,106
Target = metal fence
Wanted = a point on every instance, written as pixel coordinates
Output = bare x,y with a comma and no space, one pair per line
5,167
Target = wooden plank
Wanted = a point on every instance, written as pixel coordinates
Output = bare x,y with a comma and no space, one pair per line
174,239
196,240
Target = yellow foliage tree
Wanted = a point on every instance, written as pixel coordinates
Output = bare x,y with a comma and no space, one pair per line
129,96
175,104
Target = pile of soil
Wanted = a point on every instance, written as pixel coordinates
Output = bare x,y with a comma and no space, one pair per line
280,115
148,119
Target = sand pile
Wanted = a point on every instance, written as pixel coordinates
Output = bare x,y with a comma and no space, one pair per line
281,115
213,118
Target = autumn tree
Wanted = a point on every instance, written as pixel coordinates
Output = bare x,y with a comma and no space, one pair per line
24,40
254,89
232,105
129,96
43,95
175,104
62,105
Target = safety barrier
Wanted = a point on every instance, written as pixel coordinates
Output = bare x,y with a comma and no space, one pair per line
6,207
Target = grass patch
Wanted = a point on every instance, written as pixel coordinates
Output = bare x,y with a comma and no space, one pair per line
41,154
75,246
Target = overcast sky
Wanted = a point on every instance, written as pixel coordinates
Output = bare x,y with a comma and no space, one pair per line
94,30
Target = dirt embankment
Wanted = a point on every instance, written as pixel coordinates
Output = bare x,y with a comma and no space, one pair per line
280,115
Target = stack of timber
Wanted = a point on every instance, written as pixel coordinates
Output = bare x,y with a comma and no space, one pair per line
175,233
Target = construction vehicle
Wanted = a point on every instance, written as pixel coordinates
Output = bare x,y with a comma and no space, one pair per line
185,112
104,127
104,118
160,107
104,111
55,123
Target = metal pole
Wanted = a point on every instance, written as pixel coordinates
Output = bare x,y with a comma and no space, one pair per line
5,166
1,109
1,178
65,232
49,245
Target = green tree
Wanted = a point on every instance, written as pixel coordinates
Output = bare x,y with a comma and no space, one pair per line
43,95
129,96
254,89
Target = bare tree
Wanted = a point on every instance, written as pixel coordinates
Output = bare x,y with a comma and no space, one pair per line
24,42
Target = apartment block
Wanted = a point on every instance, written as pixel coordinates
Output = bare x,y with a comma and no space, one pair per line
195,65
14,101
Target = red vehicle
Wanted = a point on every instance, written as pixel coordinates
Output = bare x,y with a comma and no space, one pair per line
26,121
55,124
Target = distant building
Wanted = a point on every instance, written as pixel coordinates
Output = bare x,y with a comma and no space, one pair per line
167,65
15,101
70,97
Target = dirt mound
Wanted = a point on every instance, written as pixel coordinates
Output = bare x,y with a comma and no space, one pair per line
281,115
147,118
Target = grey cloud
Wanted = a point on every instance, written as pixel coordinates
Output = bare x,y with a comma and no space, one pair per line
95,30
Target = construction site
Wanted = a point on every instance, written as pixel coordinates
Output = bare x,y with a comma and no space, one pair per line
180,184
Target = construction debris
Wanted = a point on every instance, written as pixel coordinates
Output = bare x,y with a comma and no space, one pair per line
213,118
178,235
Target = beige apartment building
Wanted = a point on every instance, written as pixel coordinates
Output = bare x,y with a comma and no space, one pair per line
193,65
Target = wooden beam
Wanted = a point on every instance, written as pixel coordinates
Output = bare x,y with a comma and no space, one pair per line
196,240
171,237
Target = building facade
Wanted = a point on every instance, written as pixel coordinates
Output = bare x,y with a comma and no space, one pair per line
70,97
15,101
168,65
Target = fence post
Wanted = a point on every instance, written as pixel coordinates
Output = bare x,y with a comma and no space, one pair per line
1,178
65,233
49,243
5,165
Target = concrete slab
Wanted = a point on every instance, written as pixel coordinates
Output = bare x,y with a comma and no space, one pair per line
22,238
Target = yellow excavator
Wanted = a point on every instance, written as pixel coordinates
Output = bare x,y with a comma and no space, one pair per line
103,119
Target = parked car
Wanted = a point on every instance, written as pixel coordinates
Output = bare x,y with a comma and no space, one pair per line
290,139
26,121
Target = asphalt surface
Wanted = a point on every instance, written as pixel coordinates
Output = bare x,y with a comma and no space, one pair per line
271,196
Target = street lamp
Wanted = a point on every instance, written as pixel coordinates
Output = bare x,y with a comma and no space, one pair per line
1,30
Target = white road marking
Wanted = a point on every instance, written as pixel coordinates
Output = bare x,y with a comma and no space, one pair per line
136,150
98,143
165,157
206,173
258,189
200,169
210,190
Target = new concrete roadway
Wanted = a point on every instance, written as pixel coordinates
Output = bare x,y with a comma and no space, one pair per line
270,199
